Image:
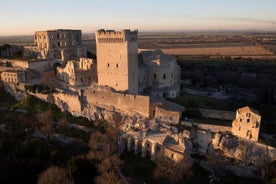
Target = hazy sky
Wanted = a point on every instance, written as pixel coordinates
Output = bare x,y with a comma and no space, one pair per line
28,16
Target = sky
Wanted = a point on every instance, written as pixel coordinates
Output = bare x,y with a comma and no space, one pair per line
21,17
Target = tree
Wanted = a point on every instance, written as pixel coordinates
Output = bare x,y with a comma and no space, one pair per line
54,175
109,169
81,169
269,172
45,120
169,171
98,141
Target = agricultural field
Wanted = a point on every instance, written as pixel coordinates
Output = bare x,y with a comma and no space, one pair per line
212,44
220,51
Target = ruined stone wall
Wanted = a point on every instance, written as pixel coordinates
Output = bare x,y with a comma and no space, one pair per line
217,114
67,74
68,102
202,126
83,78
41,66
74,74
106,98
31,52
38,66
43,97
86,63
13,90
173,155
168,115
16,63
117,60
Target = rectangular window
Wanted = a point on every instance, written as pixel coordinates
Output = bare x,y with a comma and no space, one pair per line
248,120
164,76
154,75
107,64
117,65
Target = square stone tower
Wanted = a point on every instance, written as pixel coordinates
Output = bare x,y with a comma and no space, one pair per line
117,59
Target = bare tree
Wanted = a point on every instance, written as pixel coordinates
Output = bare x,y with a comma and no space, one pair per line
171,171
54,175
109,170
45,120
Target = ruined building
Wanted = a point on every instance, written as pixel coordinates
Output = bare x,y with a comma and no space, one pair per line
78,73
247,123
60,44
117,60
13,76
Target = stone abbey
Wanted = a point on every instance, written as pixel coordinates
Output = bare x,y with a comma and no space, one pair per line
127,87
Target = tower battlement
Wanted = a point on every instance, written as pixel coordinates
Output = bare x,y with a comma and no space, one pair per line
112,36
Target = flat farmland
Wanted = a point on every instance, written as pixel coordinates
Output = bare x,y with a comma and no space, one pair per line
248,50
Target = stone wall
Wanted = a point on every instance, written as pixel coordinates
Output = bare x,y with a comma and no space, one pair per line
16,63
202,126
172,154
41,66
38,66
167,112
68,102
106,98
217,114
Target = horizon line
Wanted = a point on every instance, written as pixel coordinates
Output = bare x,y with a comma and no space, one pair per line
171,31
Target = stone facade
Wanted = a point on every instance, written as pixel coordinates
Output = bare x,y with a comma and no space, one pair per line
78,73
60,44
159,74
14,76
117,60
247,123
